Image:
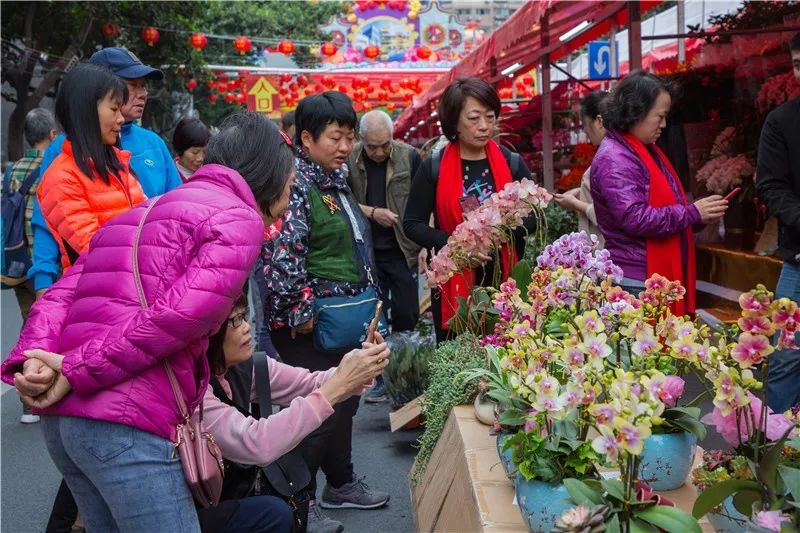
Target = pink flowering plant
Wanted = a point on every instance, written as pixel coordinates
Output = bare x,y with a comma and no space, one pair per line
726,172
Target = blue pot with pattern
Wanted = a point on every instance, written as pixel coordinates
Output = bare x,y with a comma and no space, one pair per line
541,503
505,456
667,459
728,519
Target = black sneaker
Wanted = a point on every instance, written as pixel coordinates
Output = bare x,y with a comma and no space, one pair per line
353,495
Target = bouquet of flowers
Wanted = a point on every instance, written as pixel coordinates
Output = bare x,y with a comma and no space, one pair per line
488,227
723,173
724,144
777,90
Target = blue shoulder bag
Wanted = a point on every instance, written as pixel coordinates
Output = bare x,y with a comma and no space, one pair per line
342,321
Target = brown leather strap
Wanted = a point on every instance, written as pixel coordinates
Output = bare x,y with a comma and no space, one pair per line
137,279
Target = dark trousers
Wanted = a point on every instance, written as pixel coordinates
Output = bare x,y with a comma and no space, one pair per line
330,446
64,513
254,514
399,288
25,298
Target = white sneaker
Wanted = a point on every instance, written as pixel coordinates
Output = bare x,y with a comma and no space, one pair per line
29,419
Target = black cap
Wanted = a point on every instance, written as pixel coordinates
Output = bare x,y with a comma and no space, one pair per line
125,64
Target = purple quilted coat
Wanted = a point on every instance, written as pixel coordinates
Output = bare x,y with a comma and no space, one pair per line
620,192
196,249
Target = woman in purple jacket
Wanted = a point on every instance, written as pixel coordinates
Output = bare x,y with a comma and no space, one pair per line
639,203
110,411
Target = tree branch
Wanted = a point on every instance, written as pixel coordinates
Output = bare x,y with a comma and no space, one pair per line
52,76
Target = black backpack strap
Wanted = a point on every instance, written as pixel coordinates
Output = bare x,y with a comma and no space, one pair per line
436,163
7,179
29,181
261,367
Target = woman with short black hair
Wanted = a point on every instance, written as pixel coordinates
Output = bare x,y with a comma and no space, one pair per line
189,141
313,256
458,178
640,205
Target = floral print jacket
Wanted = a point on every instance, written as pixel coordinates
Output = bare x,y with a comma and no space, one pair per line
291,290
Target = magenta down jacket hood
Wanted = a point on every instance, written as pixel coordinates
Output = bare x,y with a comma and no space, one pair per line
195,252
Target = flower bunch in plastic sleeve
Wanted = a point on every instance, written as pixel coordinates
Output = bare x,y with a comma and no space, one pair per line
723,173
487,228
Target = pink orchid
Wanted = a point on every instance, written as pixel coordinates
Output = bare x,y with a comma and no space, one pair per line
726,425
754,303
671,390
751,349
756,325
770,520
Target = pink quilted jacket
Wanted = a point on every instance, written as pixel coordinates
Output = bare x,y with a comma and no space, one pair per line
195,252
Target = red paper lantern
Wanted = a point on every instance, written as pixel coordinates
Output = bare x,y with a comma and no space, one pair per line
293,87
150,35
308,91
229,97
286,46
222,86
372,51
198,41
212,98
110,30
328,49
383,95
370,89
286,77
283,91
423,52
211,84
386,84
191,84
240,98
295,95
328,81
342,89
527,79
318,88
242,44
302,80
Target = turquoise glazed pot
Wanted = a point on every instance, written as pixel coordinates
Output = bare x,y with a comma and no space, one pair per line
667,459
541,504
729,520
505,456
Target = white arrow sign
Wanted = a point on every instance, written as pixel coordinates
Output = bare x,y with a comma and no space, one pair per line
601,62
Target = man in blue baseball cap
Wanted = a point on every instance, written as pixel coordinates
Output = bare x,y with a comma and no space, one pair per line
157,173
150,158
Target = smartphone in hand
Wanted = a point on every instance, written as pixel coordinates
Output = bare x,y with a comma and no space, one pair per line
732,194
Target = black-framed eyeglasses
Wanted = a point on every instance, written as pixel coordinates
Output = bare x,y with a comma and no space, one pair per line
237,320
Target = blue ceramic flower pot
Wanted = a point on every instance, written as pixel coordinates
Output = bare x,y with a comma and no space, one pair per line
667,459
728,520
541,504
505,456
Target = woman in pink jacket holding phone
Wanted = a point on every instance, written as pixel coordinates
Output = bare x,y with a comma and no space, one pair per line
90,356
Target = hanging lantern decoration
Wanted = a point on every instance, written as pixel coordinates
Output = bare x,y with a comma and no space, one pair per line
328,81
110,30
283,91
372,51
302,80
198,41
286,47
222,86
242,44
212,98
293,87
423,53
191,84
318,88
229,97
328,49
241,98
286,77
308,91
211,84
150,35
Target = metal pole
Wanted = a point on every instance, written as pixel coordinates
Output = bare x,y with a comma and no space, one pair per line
634,36
547,110
612,42
681,28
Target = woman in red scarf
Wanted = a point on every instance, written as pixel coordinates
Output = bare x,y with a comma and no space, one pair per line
459,178
639,202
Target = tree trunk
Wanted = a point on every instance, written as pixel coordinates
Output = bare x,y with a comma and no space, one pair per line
16,121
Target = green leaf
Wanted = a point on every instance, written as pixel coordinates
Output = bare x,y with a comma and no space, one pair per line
522,275
581,493
637,526
512,417
717,493
744,499
768,466
689,425
614,488
670,519
791,478
613,525
693,412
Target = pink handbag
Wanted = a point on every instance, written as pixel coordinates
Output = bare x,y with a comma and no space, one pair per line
200,456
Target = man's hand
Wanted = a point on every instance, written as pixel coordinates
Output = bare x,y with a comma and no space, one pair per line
304,328
385,217
35,379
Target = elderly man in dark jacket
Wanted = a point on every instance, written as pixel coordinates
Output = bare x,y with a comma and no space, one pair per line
778,184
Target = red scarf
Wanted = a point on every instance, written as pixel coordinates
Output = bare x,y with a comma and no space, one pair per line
664,255
449,189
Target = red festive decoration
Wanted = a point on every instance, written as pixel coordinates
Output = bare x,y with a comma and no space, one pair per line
302,80
222,86
150,35
342,89
198,41
191,84
283,91
293,87
212,98
390,106
372,51
110,30
211,84
385,84
328,49
383,95
423,52
229,97
328,81
242,44
318,88
286,47
241,98
286,77
527,79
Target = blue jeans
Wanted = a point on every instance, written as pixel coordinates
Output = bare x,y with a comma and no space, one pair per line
261,514
122,478
784,365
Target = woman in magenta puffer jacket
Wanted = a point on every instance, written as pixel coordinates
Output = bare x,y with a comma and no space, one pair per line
110,414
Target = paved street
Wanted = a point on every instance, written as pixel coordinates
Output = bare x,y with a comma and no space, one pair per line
29,480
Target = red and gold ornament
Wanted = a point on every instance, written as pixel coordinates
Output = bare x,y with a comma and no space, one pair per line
286,47
150,35
198,41
242,44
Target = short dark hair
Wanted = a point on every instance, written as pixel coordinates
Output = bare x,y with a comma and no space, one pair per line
794,44
632,99
314,113
189,132
252,145
39,122
76,109
287,120
455,96
215,353
591,105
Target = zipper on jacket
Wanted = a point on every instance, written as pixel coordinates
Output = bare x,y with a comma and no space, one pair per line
124,190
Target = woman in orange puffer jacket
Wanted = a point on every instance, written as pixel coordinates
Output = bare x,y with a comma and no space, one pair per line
91,181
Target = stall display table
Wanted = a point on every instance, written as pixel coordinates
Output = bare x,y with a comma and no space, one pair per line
736,269
465,488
